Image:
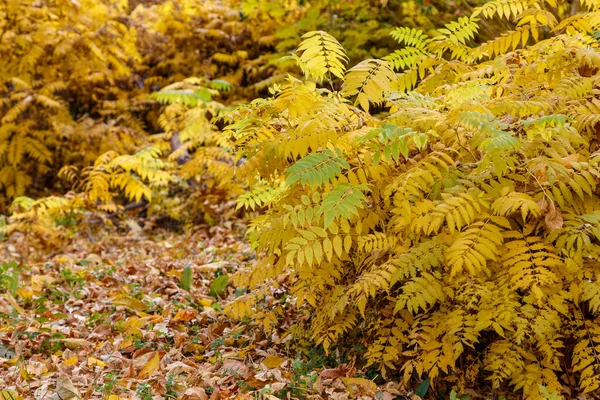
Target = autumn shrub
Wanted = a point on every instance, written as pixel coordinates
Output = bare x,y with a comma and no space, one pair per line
42,94
190,182
76,77
441,210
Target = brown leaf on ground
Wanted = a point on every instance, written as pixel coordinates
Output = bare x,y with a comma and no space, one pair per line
195,394
235,368
333,373
65,390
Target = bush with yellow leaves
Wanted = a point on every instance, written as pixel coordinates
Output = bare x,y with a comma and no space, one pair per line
75,76
442,208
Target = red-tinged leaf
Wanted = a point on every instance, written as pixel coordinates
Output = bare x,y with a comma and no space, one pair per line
185,315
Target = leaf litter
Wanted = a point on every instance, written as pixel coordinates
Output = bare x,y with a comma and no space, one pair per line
139,316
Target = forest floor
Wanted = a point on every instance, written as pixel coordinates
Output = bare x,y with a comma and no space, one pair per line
107,318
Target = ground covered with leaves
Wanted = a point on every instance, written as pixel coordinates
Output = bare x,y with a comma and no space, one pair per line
138,314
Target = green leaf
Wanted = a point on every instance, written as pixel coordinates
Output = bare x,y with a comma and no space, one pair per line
203,94
186,97
343,201
316,169
219,285
422,388
186,278
420,140
220,85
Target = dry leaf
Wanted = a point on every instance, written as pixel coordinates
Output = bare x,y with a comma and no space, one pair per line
74,343
65,390
14,304
94,362
554,219
134,226
216,395
185,315
235,368
150,367
23,373
71,361
178,367
543,204
39,281
360,386
204,302
474,394
568,160
135,322
333,373
273,361
25,294
277,386
125,343
130,302
195,394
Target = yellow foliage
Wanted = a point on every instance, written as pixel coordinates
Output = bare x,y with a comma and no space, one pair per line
459,226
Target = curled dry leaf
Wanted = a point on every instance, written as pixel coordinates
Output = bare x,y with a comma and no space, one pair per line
73,344
195,394
178,367
333,373
543,204
554,219
130,302
185,315
65,390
